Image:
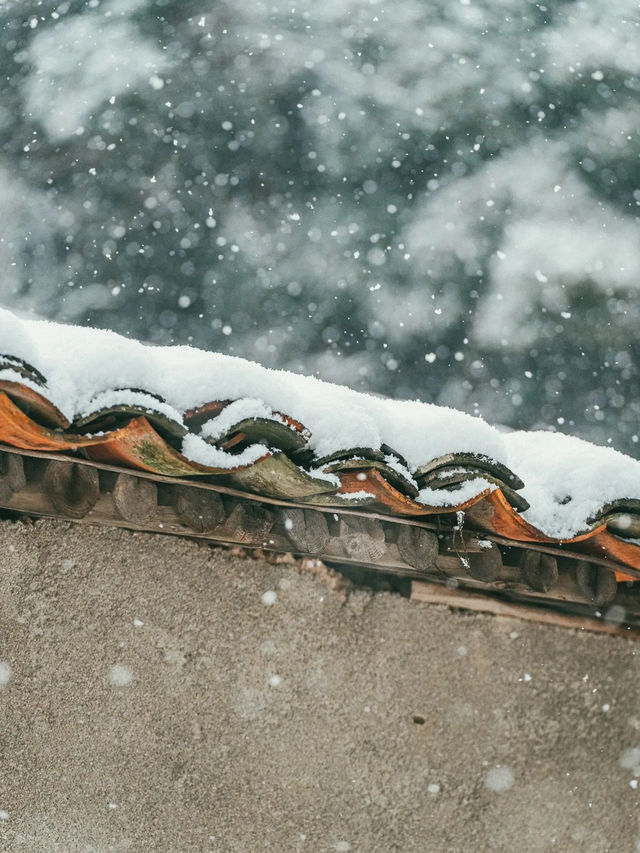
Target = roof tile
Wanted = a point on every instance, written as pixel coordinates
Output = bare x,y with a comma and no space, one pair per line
281,435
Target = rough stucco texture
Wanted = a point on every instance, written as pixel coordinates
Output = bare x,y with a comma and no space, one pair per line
156,703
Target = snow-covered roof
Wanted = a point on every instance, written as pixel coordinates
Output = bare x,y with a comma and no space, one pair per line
180,411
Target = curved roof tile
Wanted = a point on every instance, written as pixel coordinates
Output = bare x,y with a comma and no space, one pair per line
183,412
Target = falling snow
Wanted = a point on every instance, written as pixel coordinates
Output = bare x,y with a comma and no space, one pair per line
499,779
427,200
120,675
268,598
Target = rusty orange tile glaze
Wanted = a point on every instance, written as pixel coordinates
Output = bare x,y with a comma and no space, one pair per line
194,418
498,516
372,481
34,403
138,445
19,430
604,544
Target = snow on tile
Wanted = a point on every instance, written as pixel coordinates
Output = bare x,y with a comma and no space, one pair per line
455,497
567,480
80,363
198,450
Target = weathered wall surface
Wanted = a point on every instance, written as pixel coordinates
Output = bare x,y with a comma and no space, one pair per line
156,703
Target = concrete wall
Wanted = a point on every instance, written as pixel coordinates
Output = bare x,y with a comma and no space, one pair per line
155,702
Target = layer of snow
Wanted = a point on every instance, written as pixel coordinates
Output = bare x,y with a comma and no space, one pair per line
456,496
362,495
567,481
80,363
232,414
128,397
198,450
319,474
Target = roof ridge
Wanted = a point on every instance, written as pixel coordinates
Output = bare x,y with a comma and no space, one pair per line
180,411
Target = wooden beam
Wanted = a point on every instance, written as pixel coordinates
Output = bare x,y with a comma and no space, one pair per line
461,599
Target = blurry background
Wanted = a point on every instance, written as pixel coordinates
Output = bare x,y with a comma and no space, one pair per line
424,198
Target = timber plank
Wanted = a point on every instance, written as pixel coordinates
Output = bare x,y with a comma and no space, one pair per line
431,593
